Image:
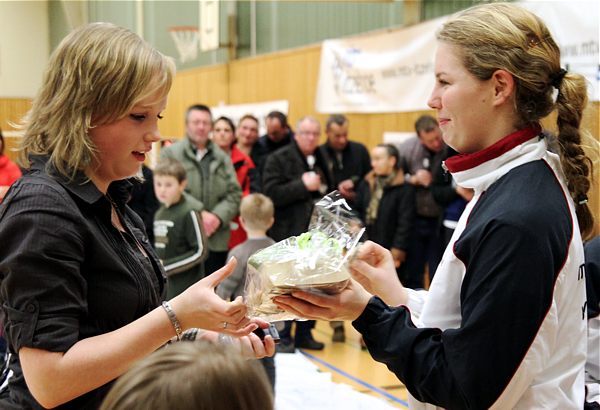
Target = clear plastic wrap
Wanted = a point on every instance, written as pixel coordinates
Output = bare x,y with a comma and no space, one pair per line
314,261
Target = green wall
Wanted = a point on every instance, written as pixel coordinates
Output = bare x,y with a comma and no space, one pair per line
280,25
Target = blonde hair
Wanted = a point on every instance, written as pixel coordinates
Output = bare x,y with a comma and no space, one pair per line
257,211
508,37
96,75
192,376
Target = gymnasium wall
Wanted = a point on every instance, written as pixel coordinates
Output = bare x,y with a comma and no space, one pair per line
258,26
24,47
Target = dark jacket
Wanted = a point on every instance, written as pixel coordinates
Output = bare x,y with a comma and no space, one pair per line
414,156
395,215
442,189
282,182
265,147
143,200
181,243
356,163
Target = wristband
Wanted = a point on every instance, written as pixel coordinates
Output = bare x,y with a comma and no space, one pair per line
173,318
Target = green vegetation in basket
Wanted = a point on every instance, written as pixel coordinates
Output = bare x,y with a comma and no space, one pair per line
273,253
318,240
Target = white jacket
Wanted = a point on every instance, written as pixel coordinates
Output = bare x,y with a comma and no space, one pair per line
503,324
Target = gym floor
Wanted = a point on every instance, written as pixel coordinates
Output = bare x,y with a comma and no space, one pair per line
349,364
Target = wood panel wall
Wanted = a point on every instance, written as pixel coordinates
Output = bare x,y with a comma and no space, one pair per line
11,111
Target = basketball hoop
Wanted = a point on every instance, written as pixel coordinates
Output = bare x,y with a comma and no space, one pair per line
187,41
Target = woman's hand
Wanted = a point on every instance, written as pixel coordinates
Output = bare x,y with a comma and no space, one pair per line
199,306
346,305
250,346
253,347
373,267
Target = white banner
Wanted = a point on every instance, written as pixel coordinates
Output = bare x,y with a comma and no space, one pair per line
575,27
260,110
393,72
209,25
386,72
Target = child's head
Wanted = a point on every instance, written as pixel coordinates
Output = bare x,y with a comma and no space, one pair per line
256,212
192,376
169,181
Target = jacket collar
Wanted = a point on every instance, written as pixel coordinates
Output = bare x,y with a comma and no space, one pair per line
463,162
216,152
398,179
482,168
81,186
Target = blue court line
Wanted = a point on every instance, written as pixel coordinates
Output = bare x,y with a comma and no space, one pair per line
355,379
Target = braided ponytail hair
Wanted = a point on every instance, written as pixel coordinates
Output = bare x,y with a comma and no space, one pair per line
577,166
506,36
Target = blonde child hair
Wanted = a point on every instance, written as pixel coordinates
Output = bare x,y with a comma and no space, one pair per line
257,211
192,376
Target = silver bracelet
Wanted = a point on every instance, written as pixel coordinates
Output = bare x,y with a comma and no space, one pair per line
173,318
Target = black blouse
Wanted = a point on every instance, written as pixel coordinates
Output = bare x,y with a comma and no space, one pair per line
66,273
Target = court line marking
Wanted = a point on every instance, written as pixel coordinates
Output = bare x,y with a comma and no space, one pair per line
355,379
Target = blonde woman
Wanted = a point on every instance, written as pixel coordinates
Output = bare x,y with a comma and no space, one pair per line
81,287
192,376
502,325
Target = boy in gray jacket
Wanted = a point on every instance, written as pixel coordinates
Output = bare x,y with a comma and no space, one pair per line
256,217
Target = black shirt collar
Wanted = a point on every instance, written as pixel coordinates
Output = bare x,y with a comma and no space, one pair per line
81,186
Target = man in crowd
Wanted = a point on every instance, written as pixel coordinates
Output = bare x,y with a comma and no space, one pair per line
346,164
211,180
278,135
247,134
421,157
294,179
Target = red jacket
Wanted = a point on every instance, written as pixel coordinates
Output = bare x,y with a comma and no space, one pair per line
9,171
242,164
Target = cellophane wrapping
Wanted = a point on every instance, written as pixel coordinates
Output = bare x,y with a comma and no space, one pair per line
315,261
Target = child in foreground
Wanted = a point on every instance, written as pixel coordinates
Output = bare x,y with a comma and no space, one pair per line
192,376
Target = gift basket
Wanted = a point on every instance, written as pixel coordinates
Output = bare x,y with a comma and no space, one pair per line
316,260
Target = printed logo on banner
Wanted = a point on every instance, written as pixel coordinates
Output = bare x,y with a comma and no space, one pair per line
349,81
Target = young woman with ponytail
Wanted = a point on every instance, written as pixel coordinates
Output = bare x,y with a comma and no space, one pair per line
503,323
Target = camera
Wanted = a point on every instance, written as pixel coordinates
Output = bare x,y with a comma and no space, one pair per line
271,330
